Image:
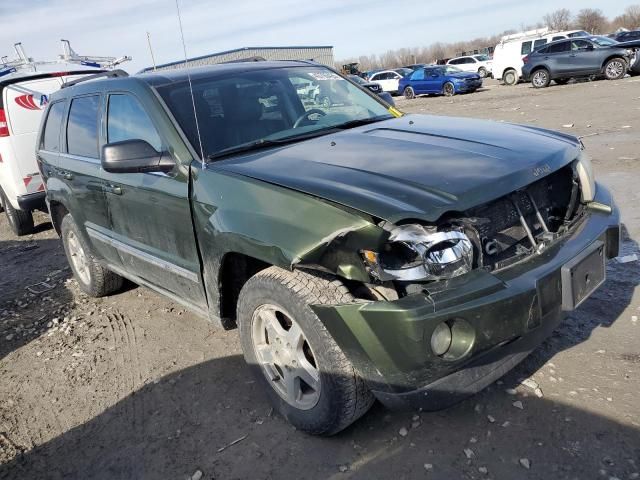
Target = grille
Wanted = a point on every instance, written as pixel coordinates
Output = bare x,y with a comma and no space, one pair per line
496,228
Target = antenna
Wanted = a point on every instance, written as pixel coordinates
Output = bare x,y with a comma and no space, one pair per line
153,59
193,100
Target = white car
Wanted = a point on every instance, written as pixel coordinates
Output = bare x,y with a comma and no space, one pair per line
508,54
25,87
387,79
480,64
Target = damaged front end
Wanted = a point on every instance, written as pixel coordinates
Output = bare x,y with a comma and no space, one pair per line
490,237
469,296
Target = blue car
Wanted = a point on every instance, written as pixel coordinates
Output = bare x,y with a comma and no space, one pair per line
439,79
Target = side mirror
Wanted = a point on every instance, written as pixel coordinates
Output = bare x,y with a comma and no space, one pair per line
589,47
135,156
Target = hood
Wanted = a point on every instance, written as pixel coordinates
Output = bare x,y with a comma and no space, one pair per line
416,166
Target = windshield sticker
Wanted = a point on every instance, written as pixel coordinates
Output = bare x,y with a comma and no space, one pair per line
395,112
325,76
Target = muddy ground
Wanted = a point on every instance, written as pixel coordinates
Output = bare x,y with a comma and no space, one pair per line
133,386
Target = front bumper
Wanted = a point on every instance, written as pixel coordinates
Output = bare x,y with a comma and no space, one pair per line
510,312
468,86
33,201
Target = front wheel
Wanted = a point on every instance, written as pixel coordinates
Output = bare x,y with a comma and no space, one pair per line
307,377
20,221
449,90
409,93
615,69
541,78
93,278
482,72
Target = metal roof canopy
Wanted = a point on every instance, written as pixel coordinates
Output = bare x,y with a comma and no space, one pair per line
212,56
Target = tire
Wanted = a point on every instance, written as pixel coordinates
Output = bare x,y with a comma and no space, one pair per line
336,396
510,77
540,78
615,68
94,279
409,93
20,221
482,72
448,89
561,81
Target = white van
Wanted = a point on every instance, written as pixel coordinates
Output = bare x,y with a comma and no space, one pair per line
25,87
508,54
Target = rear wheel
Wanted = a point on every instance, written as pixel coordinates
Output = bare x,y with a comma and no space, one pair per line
482,72
307,377
615,69
20,221
449,90
510,77
541,78
93,278
409,93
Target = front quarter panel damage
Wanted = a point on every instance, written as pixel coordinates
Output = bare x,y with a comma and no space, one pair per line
275,225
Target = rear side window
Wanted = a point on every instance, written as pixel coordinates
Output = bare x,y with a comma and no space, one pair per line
51,137
127,120
526,48
559,47
82,127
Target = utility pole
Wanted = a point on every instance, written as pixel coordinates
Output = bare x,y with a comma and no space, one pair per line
153,59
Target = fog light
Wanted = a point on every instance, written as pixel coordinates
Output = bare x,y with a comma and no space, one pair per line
441,339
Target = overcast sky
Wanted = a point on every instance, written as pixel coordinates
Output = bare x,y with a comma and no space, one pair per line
353,27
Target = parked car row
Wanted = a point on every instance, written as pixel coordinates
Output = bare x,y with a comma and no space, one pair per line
543,55
361,253
578,57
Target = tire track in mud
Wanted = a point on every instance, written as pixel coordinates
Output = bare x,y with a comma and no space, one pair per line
128,370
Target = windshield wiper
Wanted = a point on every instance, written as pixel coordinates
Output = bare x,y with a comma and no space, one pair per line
361,121
266,143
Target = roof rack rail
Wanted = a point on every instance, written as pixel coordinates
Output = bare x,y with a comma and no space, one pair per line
111,73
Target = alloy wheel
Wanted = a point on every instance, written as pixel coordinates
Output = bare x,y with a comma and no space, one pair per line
285,356
409,93
449,89
540,78
78,257
615,69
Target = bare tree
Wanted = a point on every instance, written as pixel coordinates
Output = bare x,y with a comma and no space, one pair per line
592,20
630,19
558,20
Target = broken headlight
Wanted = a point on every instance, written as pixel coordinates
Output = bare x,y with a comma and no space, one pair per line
414,252
587,179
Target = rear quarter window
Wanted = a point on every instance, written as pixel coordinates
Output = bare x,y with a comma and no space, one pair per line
82,127
526,48
51,136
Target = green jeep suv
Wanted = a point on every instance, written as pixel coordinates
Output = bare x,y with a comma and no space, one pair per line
360,252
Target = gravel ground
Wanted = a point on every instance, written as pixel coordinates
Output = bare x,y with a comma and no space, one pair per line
134,386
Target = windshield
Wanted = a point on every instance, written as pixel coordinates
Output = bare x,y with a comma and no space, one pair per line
259,107
603,41
450,69
404,71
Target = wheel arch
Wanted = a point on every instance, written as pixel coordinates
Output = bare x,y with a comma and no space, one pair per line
611,57
57,211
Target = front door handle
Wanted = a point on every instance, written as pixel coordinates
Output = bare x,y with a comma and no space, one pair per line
113,189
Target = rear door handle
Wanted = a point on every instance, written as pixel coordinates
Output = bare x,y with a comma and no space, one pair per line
113,189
